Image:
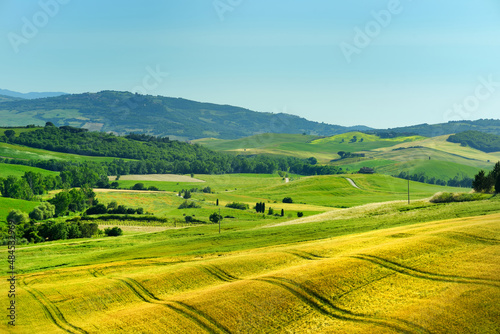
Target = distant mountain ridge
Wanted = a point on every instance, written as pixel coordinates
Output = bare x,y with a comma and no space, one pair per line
124,112
30,95
433,130
177,118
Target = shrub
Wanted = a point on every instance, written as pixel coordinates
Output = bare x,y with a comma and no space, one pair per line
239,206
188,205
97,209
300,214
113,232
457,197
215,218
138,186
287,200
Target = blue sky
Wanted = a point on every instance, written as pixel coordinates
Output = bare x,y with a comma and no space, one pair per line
417,61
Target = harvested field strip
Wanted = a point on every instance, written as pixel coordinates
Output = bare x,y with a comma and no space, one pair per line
423,274
52,312
325,307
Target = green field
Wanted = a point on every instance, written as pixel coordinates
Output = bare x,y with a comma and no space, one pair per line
19,170
18,131
435,157
8,204
29,153
304,146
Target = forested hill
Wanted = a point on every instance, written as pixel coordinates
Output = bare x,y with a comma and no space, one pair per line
479,140
152,155
123,112
433,130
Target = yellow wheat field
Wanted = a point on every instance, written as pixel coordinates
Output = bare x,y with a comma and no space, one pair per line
438,277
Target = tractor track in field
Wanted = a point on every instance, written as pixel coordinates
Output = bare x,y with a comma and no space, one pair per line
202,320
476,238
405,270
51,310
327,308
219,273
306,255
199,318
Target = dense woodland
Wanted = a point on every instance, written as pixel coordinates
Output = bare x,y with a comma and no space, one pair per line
151,154
479,140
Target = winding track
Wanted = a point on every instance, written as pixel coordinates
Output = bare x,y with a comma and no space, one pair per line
352,183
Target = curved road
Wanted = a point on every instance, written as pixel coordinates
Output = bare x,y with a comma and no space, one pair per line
352,183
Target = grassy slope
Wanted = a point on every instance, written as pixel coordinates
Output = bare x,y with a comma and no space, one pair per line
19,170
331,275
18,131
8,204
304,146
28,153
447,159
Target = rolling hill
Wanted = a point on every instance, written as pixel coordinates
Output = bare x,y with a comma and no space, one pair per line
435,157
123,112
30,95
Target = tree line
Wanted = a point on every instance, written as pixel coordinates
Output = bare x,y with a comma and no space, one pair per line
457,181
153,155
488,182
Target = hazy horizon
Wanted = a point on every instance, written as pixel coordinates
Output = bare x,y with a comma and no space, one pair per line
381,64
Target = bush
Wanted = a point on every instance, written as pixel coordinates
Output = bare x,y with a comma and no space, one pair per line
287,200
153,188
138,186
457,197
239,206
97,209
188,205
113,232
300,214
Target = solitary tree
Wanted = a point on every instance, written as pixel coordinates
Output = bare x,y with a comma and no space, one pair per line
479,184
215,218
9,134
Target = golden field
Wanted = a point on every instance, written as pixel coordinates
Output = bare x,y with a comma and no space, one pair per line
432,277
